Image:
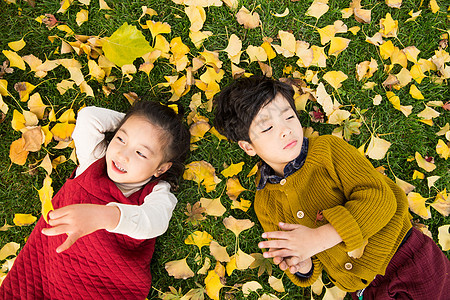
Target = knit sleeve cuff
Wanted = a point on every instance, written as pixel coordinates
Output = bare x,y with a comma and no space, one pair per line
307,281
346,226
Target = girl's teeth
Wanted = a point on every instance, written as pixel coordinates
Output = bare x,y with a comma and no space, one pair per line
123,170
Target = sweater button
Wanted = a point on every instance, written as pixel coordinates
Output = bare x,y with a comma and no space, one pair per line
283,181
300,214
348,266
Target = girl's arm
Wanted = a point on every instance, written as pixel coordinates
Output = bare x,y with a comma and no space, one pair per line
150,219
89,133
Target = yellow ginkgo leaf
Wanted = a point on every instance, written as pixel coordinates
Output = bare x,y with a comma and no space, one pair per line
317,286
388,26
394,3
233,169
214,132
24,89
24,219
405,186
17,152
68,116
66,29
442,203
198,37
202,172
10,249
157,28
431,180
399,57
234,188
34,138
377,148
337,45
442,149
205,266
231,266
276,284
251,286
243,205
417,73
363,15
17,45
288,43
199,239
243,260
418,175
248,19
14,59
428,113
444,237
82,16
45,195
354,30
63,131
3,87
253,171
256,53
212,75
3,106
59,160
179,269
317,9
46,164
237,225
234,46
212,58
335,78
417,205
197,17
386,49
421,162
411,53
213,207
213,285
198,130
434,6
36,105
104,5
268,49
219,252
326,33
334,293
366,69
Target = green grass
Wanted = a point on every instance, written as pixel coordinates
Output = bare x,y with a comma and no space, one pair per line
18,184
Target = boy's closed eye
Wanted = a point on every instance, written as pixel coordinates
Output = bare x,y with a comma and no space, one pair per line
267,129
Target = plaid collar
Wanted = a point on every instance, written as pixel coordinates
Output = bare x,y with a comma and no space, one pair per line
268,174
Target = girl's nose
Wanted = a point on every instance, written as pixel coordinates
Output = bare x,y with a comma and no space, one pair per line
122,155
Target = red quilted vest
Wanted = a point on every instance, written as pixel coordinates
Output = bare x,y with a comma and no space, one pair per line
99,265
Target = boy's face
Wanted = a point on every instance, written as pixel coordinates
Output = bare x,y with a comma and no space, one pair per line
276,134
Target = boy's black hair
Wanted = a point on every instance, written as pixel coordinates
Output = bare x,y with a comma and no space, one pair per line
176,136
237,104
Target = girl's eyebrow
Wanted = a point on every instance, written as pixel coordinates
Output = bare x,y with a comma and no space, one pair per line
143,145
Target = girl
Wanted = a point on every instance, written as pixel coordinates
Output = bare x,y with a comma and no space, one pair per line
98,206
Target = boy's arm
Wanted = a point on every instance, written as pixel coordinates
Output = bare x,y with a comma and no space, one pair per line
371,202
92,123
149,220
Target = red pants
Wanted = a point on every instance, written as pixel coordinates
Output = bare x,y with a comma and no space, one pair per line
418,270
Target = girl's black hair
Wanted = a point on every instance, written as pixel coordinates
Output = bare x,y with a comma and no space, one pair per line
176,137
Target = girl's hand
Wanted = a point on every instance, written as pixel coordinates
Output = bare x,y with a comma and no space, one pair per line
78,220
299,241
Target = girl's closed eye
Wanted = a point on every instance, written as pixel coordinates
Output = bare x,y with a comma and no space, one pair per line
141,154
120,139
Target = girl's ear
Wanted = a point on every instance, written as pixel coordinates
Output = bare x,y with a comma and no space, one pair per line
247,147
163,168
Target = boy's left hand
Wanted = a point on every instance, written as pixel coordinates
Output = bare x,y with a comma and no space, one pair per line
299,241
78,220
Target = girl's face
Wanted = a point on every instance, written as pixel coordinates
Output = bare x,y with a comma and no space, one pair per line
135,153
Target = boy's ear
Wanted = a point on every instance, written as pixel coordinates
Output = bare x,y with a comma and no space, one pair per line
163,168
247,147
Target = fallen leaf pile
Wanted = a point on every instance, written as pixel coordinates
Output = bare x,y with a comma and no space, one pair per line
194,69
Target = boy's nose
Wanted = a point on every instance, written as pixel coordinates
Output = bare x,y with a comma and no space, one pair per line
285,131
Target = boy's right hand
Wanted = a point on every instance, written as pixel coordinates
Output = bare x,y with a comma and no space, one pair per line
294,264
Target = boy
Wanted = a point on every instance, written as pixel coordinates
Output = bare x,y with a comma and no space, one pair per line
335,211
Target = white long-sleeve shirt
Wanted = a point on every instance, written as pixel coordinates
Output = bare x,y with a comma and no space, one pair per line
145,221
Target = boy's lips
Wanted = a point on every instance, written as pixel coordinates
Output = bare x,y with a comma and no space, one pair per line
291,144
118,168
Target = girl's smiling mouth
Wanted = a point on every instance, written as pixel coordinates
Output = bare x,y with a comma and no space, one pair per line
118,168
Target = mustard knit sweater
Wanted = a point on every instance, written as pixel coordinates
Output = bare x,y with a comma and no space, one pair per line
359,202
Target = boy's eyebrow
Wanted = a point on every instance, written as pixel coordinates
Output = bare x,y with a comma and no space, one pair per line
143,145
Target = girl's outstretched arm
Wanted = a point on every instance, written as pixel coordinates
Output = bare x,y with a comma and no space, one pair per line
78,220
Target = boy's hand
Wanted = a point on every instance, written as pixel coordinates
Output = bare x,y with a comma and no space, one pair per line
78,220
299,241
294,264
